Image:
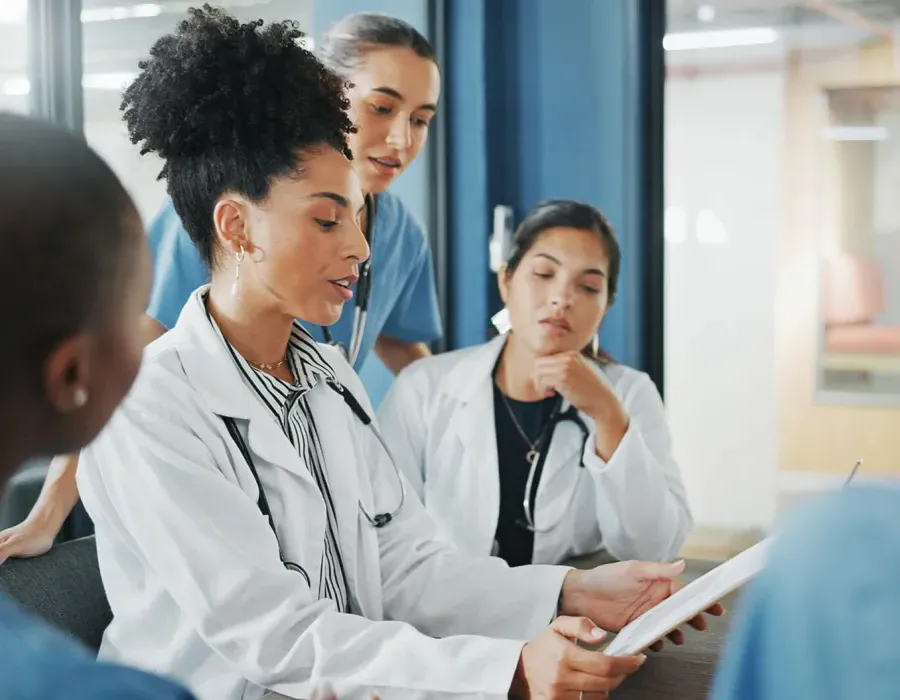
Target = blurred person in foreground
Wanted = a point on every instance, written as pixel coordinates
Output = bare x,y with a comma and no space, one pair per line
74,281
821,621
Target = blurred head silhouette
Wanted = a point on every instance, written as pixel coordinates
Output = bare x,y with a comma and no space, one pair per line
74,282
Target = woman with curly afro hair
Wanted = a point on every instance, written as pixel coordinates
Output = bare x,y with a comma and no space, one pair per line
253,535
395,86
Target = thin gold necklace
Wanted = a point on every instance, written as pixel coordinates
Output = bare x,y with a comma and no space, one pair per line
266,367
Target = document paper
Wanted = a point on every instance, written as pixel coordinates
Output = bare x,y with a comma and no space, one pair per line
691,600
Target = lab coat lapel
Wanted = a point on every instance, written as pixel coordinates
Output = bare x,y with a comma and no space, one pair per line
471,383
210,368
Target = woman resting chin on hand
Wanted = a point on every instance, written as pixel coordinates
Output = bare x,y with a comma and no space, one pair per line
536,447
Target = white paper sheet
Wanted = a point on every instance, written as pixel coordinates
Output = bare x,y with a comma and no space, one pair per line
691,600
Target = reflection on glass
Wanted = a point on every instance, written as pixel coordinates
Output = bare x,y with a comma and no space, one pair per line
13,56
860,299
118,34
782,153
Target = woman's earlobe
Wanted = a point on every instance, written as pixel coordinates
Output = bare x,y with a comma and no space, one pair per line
503,283
66,374
229,220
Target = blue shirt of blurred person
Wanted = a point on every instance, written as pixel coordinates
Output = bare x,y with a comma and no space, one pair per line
38,663
822,620
403,302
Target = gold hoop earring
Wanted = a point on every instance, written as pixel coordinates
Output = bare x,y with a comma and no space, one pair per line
239,256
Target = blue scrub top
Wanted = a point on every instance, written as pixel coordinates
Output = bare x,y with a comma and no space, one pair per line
38,663
403,302
823,619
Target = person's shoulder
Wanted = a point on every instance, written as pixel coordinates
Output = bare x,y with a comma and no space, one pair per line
39,663
435,366
858,526
394,214
628,382
161,390
161,365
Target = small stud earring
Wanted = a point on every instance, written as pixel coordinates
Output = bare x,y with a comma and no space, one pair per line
80,398
239,256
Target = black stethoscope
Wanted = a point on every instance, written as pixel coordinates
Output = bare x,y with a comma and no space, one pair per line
363,292
557,416
378,520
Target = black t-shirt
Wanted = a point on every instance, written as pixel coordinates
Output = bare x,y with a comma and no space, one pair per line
515,542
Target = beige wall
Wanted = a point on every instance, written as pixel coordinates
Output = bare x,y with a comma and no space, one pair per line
813,437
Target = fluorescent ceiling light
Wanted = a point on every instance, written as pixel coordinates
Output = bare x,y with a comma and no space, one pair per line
90,81
15,11
856,133
104,14
721,39
16,86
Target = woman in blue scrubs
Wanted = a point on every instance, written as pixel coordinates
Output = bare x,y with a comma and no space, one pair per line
395,87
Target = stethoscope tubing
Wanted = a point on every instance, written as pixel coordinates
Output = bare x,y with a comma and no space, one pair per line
536,468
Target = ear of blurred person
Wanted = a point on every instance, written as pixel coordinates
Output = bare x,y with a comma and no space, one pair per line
36,534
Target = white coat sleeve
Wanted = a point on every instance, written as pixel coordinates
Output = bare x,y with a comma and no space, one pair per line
405,430
431,584
641,501
210,547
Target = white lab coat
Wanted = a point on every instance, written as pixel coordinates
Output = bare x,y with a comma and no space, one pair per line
438,418
192,570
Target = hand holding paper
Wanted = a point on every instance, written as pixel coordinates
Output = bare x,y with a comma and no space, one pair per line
686,602
554,665
614,595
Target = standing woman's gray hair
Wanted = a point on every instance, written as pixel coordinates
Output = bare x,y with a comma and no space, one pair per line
346,43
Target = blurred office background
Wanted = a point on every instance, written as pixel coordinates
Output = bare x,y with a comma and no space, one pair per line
747,152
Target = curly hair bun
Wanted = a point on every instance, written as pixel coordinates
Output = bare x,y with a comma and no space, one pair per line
217,86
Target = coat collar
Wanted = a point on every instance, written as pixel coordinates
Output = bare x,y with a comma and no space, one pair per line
211,370
207,362
464,380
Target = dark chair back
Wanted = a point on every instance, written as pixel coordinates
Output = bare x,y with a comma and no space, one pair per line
62,587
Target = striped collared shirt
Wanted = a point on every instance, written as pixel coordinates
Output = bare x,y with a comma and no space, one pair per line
288,405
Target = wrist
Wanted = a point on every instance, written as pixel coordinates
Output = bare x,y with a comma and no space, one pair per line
611,425
571,595
518,688
48,514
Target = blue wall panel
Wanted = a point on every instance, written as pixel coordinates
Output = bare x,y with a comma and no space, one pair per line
558,107
466,109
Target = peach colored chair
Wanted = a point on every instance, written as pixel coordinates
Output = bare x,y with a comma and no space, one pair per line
852,296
